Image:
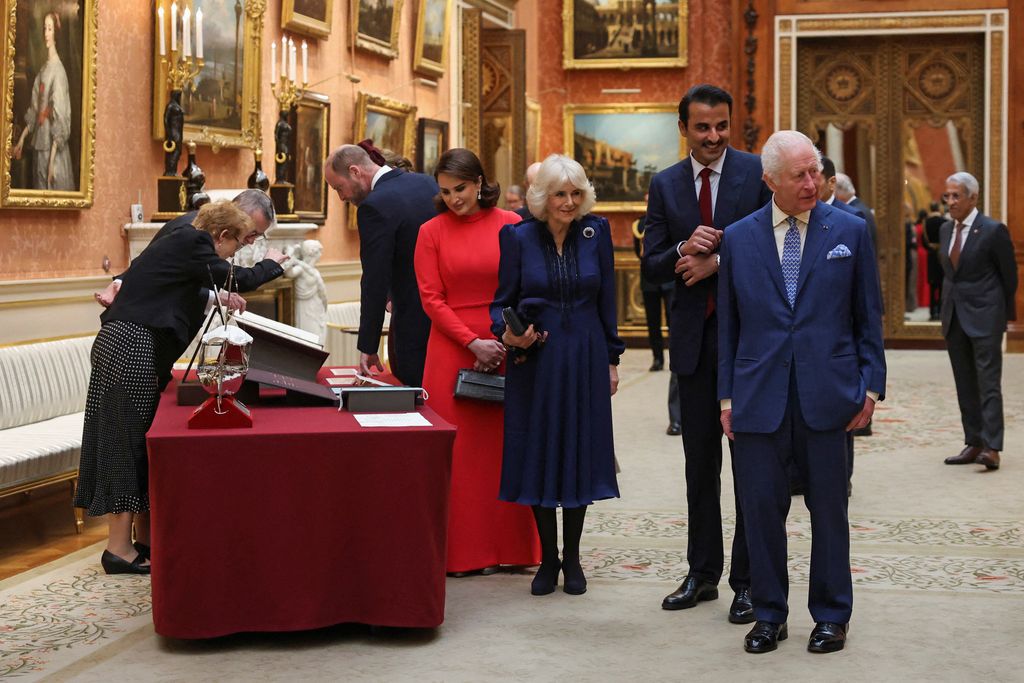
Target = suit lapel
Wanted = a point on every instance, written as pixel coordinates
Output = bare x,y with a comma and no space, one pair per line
728,191
686,195
817,234
976,234
945,237
764,236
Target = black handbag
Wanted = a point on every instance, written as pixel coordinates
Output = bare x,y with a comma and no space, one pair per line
480,386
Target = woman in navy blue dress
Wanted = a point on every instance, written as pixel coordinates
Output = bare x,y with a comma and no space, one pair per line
557,272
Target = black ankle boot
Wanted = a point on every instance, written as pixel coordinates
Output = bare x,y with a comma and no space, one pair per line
547,578
575,581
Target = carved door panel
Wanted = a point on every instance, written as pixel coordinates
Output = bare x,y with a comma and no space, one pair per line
898,114
503,105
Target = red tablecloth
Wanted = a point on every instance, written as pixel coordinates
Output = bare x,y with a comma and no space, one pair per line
303,521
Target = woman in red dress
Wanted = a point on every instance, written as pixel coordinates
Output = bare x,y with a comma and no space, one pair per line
457,270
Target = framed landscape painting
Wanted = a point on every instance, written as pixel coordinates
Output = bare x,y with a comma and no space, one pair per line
223,107
47,103
375,26
431,50
616,34
621,147
310,131
309,17
431,143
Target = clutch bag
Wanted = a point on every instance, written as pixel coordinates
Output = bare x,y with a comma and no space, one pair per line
480,386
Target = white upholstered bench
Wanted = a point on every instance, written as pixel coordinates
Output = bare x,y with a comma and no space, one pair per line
43,387
343,331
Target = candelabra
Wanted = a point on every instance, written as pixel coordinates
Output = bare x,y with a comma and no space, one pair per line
287,92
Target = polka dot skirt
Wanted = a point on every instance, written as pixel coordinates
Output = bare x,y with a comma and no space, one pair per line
113,475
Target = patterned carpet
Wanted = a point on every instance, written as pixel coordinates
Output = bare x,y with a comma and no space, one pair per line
945,535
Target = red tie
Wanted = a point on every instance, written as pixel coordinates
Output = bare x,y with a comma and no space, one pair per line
706,218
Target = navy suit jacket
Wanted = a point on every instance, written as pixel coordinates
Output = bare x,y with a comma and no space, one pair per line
864,211
673,213
982,289
389,223
833,333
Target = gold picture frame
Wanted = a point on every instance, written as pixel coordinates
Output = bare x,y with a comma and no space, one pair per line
430,55
621,146
375,25
213,123
585,38
308,17
25,61
311,120
389,123
533,129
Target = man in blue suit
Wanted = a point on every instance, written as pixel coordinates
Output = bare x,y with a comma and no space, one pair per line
392,205
800,364
688,205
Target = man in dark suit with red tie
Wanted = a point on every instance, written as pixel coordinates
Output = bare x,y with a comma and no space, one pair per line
689,204
976,255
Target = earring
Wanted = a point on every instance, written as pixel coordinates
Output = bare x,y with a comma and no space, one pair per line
478,196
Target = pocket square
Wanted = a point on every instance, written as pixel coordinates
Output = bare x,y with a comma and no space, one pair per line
841,251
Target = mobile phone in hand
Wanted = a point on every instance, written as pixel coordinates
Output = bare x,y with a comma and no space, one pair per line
514,322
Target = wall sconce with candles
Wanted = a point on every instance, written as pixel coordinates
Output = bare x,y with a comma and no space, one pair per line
287,92
182,65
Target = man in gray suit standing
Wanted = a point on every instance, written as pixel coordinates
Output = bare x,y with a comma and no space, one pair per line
976,255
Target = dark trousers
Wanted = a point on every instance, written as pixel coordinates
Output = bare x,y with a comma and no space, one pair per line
673,399
654,299
702,450
761,463
977,370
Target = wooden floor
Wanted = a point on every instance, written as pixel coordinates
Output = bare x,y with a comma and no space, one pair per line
39,527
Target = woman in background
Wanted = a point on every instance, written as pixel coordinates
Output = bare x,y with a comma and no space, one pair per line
456,265
143,331
557,271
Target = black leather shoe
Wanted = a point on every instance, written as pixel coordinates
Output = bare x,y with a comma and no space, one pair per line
658,365
546,579
741,611
689,593
112,564
143,550
674,429
827,637
764,637
575,580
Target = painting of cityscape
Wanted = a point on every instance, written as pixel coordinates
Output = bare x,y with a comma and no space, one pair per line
624,34
621,147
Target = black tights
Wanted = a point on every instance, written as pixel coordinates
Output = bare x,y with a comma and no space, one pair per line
572,530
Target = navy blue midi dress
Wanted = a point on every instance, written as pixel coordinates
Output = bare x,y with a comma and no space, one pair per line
558,448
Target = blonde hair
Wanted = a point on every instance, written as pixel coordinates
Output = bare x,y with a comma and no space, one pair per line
555,171
217,217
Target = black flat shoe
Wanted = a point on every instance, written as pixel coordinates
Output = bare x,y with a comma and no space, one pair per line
827,637
764,637
546,579
689,593
658,365
674,429
112,564
575,581
143,550
742,609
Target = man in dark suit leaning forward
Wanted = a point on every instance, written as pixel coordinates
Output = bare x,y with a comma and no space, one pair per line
800,364
688,205
976,255
392,205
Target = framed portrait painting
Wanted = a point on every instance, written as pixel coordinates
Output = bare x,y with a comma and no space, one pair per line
222,106
375,26
390,124
608,34
431,50
431,143
621,147
47,103
309,17
310,129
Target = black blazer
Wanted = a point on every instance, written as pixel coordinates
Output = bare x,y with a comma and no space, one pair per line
982,288
864,211
389,223
673,213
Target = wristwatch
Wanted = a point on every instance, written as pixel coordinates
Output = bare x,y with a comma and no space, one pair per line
718,260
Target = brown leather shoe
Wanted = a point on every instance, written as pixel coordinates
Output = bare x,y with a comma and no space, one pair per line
989,458
968,456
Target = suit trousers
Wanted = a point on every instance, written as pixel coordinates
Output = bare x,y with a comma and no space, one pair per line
762,462
977,371
702,451
653,300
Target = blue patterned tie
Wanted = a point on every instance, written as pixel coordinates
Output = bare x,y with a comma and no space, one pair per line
791,260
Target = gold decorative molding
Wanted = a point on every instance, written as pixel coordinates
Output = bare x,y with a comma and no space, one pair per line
471,19
785,83
869,24
995,206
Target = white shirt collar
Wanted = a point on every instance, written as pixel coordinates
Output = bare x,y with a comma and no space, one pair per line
378,175
779,216
971,217
715,165
831,199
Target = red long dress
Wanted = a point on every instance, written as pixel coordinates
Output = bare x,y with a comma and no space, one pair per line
457,271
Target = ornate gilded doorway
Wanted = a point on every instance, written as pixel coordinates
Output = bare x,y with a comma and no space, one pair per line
899,111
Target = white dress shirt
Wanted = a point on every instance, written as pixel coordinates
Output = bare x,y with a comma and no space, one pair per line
698,183
378,175
967,223
781,226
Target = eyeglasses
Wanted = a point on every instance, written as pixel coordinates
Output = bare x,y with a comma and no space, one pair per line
950,195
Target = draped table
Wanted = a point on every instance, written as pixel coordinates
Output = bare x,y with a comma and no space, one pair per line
303,521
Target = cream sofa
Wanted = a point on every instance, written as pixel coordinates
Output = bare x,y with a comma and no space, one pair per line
43,387
343,333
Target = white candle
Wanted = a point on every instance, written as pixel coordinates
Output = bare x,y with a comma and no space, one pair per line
163,38
284,57
174,27
186,32
273,63
305,63
199,33
291,59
